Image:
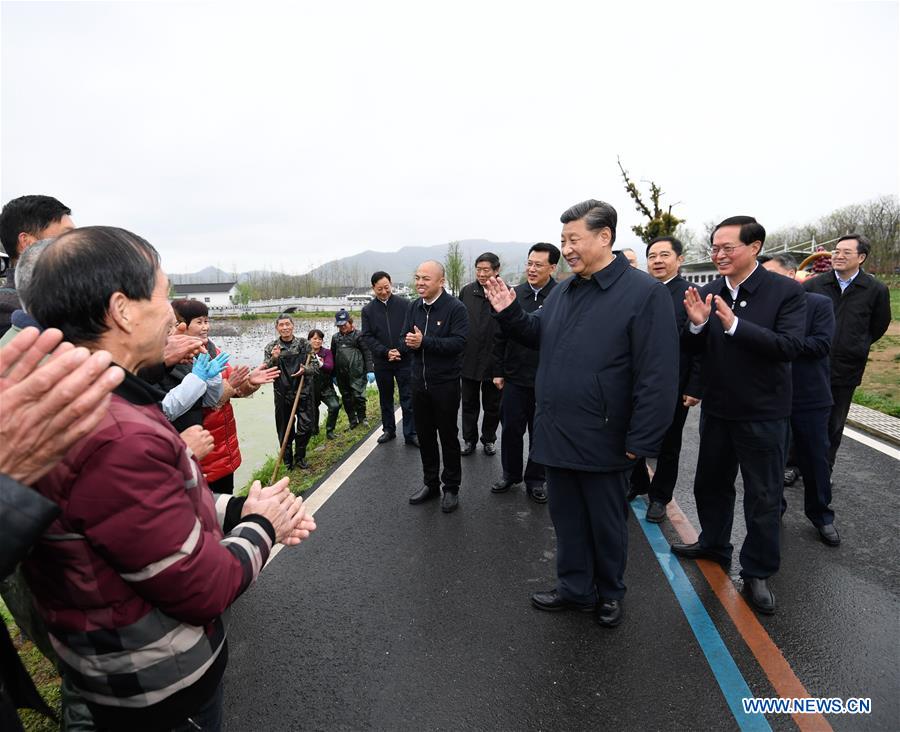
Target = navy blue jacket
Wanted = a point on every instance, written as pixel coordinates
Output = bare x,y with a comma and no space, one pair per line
445,327
382,324
862,315
747,376
689,381
607,377
478,360
811,372
513,361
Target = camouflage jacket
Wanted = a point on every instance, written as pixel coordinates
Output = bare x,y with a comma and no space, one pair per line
293,356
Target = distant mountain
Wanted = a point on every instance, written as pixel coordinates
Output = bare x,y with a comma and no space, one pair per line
400,264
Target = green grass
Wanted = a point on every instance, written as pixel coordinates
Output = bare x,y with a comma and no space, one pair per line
880,402
895,303
322,454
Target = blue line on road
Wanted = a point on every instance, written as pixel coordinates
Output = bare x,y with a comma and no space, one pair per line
727,674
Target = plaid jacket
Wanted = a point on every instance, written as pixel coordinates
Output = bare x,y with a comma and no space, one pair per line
133,576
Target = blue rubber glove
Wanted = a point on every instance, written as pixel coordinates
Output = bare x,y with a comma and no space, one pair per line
371,377
334,380
206,368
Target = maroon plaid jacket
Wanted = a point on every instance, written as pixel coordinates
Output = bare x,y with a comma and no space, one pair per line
133,576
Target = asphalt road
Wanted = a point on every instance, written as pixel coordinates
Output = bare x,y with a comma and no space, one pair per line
399,617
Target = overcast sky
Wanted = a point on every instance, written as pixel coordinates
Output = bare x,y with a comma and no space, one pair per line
256,135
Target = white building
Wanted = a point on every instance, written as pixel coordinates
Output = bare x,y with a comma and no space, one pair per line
214,294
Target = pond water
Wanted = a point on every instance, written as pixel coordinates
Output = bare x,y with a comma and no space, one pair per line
246,340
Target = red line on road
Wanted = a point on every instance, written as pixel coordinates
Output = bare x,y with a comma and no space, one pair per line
767,654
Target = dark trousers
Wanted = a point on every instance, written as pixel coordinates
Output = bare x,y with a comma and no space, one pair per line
353,395
332,403
589,514
662,486
810,433
842,396
299,429
758,448
436,409
476,394
385,381
516,416
225,484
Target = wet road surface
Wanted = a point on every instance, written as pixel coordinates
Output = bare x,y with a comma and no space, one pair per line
399,617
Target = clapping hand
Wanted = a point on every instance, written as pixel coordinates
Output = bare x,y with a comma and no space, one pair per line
238,376
697,309
499,294
414,339
724,313
285,512
261,375
207,368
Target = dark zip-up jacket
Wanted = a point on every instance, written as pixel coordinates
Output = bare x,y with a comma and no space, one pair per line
810,373
607,374
382,325
351,355
689,380
445,327
747,376
862,315
478,359
512,361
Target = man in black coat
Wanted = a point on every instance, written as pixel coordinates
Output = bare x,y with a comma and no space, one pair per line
811,405
436,329
606,385
382,326
478,387
749,326
515,367
664,258
862,307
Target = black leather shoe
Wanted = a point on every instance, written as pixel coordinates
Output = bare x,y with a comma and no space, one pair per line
609,613
656,512
425,493
632,494
450,502
413,441
550,601
468,448
489,448
695,551
790,476
503,485
352,426
537,493
386,437
330,435
829,535
761,597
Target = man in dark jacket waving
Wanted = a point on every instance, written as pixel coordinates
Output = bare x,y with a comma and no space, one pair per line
435,330
606,385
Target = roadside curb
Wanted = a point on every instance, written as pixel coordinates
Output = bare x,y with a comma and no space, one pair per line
875,423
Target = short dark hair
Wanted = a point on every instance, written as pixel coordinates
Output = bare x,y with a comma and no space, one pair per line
596,215
317,332
283,316
677,246
489,257
552,251
785,260
28,214
751,229
378,276
862,244
81,270
186,310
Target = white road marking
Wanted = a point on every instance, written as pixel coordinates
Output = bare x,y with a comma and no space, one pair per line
334,481
865,439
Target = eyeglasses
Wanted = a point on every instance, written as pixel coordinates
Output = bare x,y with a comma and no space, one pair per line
727,250
536,265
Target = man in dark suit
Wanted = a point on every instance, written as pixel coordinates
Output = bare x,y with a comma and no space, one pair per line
515,367
862,307
664,257
382,326
812,404
749,326
606,384
478,389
